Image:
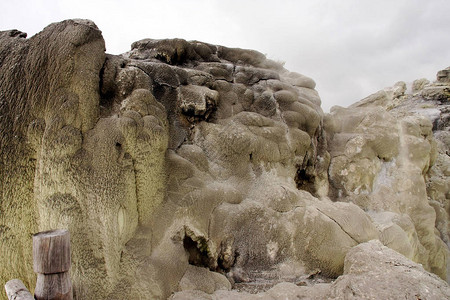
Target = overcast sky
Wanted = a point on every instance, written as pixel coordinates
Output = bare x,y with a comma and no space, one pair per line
351,48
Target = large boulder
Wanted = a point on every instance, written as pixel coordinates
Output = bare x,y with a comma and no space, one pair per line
373,271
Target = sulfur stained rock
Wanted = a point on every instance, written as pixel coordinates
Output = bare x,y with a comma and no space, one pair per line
186,167
50,113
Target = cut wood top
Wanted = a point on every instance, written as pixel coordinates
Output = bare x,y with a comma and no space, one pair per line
51,251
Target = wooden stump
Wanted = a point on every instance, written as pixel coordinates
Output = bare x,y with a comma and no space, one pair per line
16,290
51,262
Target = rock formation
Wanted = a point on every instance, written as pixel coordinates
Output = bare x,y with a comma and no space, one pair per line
390,157
183,169
371,271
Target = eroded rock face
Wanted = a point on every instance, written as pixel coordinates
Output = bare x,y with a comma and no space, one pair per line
389,155
184,166
372,271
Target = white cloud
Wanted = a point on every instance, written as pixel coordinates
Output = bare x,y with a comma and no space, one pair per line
351,48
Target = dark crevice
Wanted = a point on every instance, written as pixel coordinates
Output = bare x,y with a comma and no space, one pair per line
106,93
305,178
197,252
102,74
106,88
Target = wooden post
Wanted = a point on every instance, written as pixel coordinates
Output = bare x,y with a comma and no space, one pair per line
16,290
51,262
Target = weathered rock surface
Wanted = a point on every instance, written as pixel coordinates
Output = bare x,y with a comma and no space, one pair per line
389,155
371,271
188,169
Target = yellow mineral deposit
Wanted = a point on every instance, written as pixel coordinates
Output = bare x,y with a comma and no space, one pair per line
188,170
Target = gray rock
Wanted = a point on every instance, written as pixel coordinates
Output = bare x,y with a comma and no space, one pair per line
373,271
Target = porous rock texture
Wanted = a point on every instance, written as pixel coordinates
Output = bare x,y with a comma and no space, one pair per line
188,169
